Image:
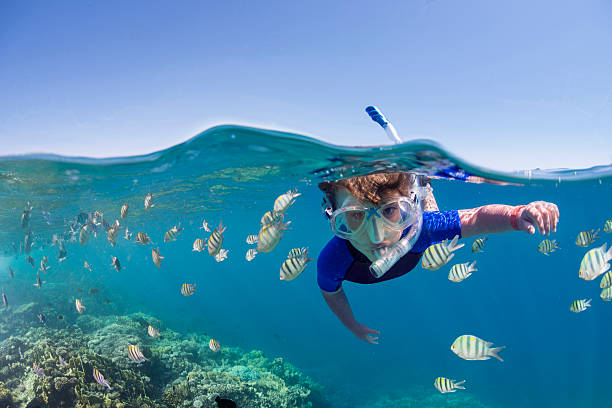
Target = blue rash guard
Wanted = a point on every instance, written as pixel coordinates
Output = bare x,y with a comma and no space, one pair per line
340,260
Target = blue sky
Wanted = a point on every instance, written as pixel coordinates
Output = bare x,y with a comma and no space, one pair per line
506,85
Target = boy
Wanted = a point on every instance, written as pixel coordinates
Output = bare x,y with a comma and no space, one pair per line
369,214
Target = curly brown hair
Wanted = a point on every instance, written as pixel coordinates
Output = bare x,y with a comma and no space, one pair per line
372,187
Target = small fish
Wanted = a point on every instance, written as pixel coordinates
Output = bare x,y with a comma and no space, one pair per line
216,240
156,257
270,235
595,263
84,234
251,239
79,306
128,234
100,378
284,201
606,294
4,299
112,233
47,217
198,245
135,354
293,267
142,238
61,255
43,267
297,252
44,260
107,301
606,280
547,246
28,242
608,227
38,283
86,266
42,318
148,202
272,217
438,255
187,289
39,372
59,317
25,217
214,345
470,347
173,233
250,254
445,385
116,263
586,238
20,353
30,261
152,331
124,210
581,305
11,273
62,362
205,226
224,402
479,244
94,291
461,271
221,255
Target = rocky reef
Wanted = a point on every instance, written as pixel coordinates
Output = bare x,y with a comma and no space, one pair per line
180,371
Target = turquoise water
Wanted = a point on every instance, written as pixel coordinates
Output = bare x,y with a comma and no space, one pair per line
518,298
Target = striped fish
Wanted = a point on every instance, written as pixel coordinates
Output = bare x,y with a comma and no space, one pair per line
148,203
152,331
606,294
297,252
86,266
595,263
461,271
438,255
293,267
250,254
84,234
205,226
284,201
608,227
216,240
581,305
112,234
79,306
445,385
272,217
173,233
479,244
470,347
135,354
28,242
156,257
187,289
198,245
39,371
214,345
221,255
124,210
606,280
547,246
251,239
142,238
270,235
100,378
586,238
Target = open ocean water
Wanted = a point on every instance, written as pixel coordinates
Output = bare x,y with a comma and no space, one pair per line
280,344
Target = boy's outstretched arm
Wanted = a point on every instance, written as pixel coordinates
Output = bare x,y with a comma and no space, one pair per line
497,218
338,303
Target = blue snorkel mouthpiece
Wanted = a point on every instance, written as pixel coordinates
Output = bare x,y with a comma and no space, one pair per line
379,118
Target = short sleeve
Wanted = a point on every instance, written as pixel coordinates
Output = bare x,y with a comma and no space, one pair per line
437,226
332,264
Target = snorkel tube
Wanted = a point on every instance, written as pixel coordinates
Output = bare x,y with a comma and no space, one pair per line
387,257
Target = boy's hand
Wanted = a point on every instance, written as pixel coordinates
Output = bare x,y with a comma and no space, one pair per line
540,214
366,334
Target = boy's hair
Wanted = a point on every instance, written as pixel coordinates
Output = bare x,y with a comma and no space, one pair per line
373,187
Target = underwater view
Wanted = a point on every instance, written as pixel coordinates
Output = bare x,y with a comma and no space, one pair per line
188,278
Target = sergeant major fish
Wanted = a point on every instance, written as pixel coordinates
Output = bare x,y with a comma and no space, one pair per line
270,235
84,234
128,234
444,385
205,226
581,305
221,255
595,262
606,280
606,294
173,233
461,271
250,254
586,238
293,267
198,245
25,217
440,254
479,244
148,202
284,201
86,266
272,217
38,283
142,238
608,227
30,261
470,347
28,242
124,210
187,289
547,246
216,240
297,252
251,239
156,257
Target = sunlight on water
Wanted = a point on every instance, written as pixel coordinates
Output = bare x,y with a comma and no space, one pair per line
280,346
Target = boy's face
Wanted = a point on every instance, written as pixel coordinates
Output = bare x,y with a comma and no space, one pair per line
375,233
